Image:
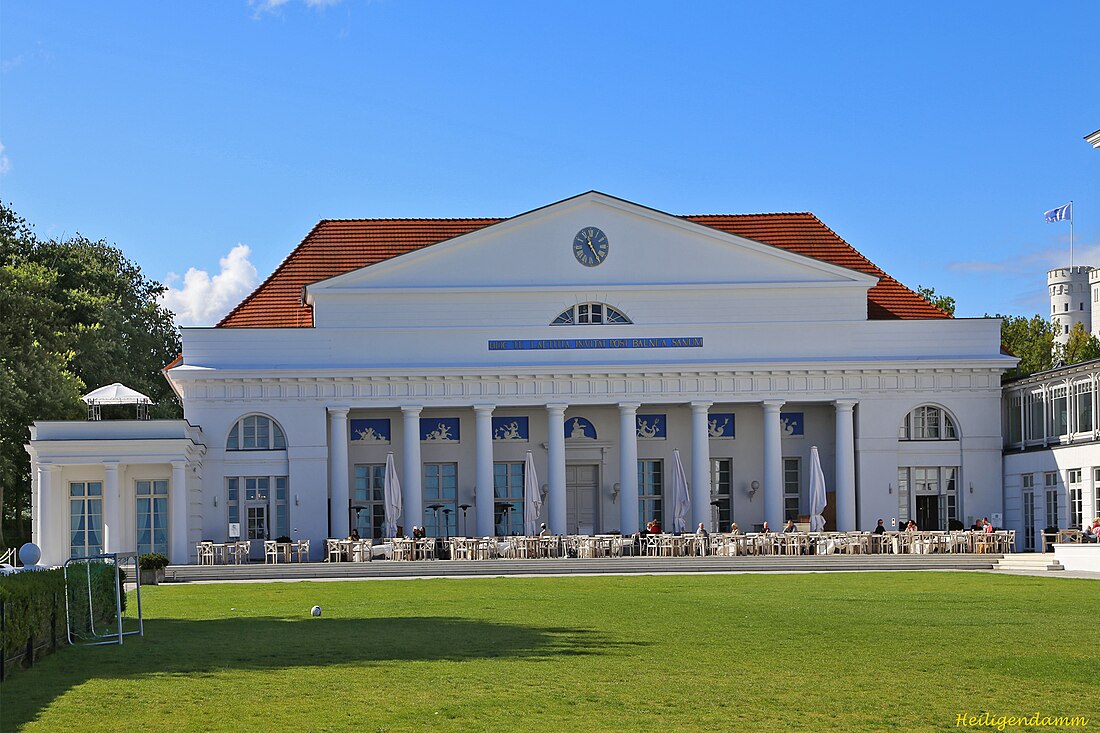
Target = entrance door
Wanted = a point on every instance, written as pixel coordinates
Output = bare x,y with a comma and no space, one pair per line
580,498
256,528
928,512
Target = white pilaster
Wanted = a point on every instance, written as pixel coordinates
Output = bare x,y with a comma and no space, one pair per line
555,467
339,508
179,552
628,467
773,465
112,514
53,547
845,467
700,465
412,496
483,489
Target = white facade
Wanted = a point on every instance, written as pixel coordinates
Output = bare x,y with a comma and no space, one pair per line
1073,293
446,338
1052,451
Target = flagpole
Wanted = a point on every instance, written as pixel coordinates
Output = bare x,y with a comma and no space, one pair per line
1071,233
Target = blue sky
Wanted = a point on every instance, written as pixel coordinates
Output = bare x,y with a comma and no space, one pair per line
932,136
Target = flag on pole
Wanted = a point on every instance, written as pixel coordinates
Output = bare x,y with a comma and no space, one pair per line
1060,214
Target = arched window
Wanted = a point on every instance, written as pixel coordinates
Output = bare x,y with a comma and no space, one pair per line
256,432
928,422
590,313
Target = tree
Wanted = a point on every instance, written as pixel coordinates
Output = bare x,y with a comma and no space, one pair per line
944,302
74,315
1030,339
1081,346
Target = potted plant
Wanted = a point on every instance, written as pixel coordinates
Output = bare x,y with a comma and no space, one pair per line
151,567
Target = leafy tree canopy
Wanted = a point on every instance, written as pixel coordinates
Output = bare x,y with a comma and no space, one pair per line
944,302
1030,339
74,315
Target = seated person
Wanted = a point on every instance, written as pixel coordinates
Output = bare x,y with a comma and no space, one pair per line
654,526
734,529
880,529
701,530
789,526
354,536
543,531
765,529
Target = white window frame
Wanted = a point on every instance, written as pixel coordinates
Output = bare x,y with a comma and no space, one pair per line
90,512
152,491
792,488
592,313
651,491
263,432
928,422
508,479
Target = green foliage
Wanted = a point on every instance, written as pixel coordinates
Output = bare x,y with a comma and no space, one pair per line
152,561
1029,339
944,302
1081,346
74,315
34,603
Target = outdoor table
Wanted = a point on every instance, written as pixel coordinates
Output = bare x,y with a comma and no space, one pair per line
300,548
402,549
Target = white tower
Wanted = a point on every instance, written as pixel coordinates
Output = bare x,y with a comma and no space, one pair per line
1070,299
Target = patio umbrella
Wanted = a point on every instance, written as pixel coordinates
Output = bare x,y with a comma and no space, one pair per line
817,492
681,499
532,499
391,490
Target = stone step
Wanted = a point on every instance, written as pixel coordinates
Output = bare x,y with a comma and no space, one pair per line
576,566
1030,562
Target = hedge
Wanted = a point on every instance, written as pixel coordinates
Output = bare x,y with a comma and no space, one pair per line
32,608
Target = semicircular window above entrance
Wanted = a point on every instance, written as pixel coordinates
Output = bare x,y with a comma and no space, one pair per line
586,314
256,432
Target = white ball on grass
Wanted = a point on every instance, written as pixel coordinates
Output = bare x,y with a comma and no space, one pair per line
316,610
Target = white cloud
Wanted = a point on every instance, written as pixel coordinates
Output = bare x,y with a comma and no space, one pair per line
259,7
5,164
203,300
1084,253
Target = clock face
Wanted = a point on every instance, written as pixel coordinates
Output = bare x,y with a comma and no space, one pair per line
590,246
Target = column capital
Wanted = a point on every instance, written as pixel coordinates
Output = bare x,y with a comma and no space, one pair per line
700,406
178,465
773,405
411,410
484,409
629,406
339,411
111,465
845,405
557,408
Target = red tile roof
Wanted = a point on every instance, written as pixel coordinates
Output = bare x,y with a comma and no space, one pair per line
334,247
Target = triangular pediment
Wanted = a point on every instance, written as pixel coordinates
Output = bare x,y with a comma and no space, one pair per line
645,248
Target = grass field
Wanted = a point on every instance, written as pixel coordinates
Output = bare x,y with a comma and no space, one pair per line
841,651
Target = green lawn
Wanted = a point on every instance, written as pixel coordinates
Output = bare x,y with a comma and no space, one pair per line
739,652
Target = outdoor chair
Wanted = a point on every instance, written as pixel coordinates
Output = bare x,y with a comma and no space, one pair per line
271,551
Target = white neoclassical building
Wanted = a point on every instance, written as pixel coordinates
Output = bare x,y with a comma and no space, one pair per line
596,333
1052,451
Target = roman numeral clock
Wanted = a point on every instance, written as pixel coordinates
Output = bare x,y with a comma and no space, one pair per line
590,246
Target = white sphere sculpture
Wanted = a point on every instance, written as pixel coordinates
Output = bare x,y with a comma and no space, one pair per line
29,555
316,610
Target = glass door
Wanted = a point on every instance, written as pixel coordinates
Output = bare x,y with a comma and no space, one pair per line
256,528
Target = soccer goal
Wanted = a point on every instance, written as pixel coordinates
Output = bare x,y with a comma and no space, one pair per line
96,606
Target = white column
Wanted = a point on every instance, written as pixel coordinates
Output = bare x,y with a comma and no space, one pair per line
700,465
179,548
412,496
112,514
628,467
483,489
43,508
555,467
339,507
845,467
773,465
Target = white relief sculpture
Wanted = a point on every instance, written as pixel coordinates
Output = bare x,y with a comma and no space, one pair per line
645,430
716,430
370,435
509,432
788,427
578,429
441,433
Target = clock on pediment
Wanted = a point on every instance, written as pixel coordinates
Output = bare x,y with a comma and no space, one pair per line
590,246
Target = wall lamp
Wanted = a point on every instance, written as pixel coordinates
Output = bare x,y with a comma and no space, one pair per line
544,490
753,488
215,499
295,500
889,488
615,489
971,487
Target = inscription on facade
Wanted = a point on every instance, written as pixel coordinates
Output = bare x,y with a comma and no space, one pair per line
693,342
